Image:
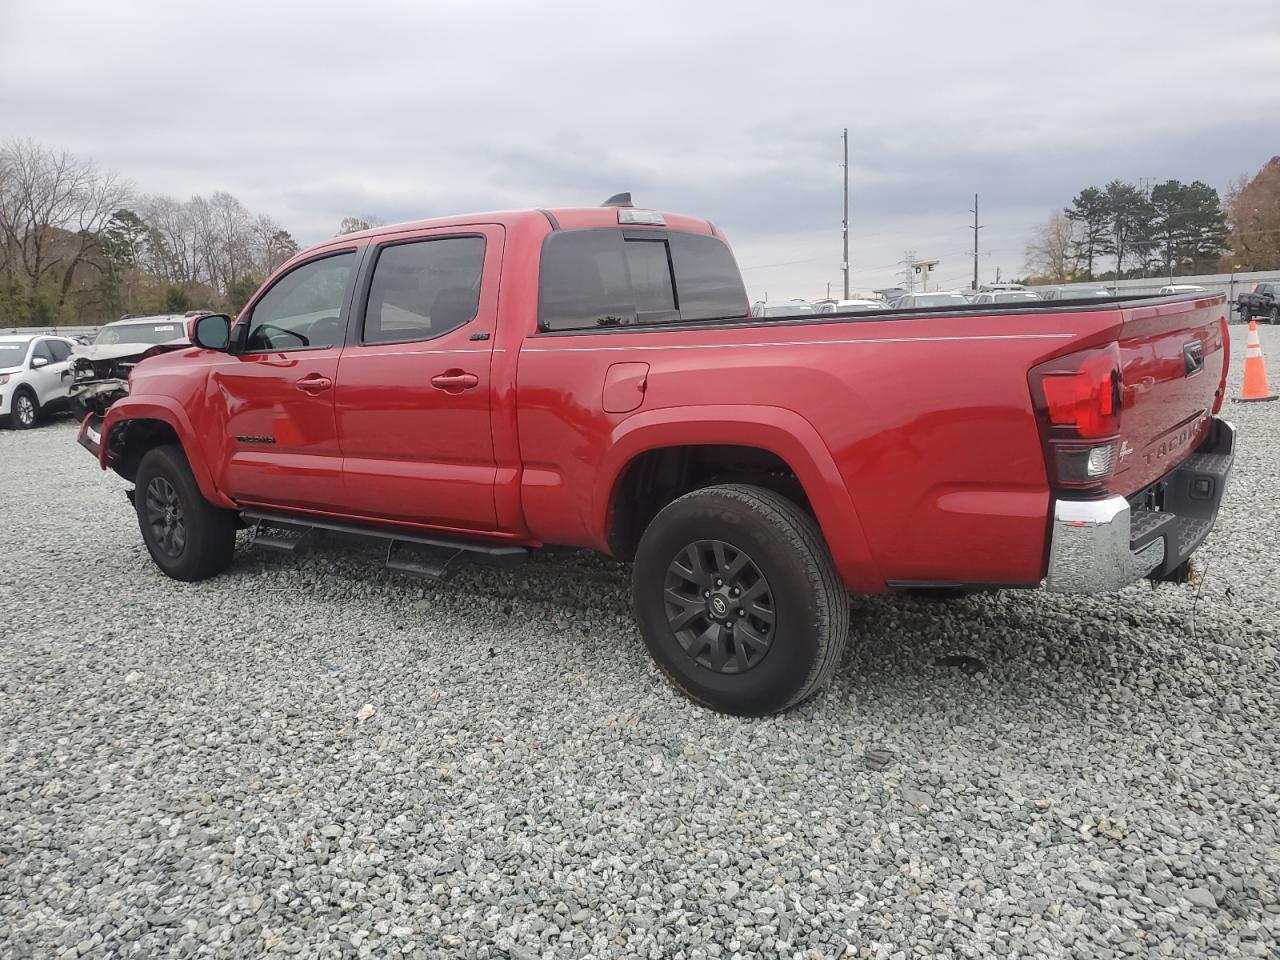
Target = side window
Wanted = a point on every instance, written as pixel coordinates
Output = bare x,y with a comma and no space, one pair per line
42,350
583,281
60,350
423,289
707,278
303,309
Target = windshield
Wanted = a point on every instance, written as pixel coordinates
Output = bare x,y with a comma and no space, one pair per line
937,299
12,354
789,310
141,333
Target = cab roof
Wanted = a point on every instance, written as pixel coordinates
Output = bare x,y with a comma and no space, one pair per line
562,218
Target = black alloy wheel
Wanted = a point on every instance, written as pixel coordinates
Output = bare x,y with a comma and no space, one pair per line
719,606
164,514
739,600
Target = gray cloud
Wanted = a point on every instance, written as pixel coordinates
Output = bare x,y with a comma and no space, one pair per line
312,111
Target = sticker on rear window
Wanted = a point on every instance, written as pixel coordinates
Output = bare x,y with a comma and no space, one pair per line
165,329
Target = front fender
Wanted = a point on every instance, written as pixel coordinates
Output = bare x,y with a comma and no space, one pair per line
780,431
169,411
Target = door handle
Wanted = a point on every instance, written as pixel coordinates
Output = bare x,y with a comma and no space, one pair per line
455,381
314,383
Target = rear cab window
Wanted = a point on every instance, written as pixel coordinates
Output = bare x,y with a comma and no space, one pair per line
610,277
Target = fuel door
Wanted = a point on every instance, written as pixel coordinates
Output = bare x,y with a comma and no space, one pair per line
624,386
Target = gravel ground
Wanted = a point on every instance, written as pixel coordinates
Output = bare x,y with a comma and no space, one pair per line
182,772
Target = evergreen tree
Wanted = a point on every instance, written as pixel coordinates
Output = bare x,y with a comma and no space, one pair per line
1088,212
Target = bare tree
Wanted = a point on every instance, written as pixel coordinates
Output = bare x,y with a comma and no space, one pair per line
53,206
1049,252
356,224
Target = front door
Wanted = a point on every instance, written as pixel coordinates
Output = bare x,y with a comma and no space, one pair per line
52,377
275,397
413,389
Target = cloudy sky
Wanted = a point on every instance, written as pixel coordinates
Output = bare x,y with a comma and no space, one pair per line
312,111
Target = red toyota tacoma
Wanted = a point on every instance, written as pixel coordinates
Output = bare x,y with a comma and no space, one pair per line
483,385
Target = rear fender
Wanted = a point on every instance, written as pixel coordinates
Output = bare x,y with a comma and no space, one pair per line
169,411
782,432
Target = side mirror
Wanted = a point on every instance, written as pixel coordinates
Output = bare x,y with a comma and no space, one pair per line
38,362
212,331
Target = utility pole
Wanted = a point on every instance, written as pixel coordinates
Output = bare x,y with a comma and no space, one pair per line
844,264
976,227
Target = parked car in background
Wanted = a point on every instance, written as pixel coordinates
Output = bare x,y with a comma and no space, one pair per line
934,298
101,369
782,308
1075,293
1006,296
1171,288
851,306
1262,301
35,374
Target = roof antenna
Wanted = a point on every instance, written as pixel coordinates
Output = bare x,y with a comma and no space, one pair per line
619,200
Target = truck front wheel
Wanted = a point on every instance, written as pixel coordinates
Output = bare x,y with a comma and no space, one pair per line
187,536
739,601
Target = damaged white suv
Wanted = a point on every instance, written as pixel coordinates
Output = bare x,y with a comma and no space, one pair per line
102,368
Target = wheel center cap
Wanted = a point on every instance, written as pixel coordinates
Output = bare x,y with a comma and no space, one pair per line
718,606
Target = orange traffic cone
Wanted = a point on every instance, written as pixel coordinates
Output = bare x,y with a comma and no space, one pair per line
1255,371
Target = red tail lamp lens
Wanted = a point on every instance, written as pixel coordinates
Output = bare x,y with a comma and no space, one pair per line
1081,392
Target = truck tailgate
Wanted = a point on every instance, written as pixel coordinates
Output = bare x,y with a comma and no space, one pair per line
1173,362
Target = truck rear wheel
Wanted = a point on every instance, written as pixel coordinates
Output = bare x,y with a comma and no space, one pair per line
187,536
739,601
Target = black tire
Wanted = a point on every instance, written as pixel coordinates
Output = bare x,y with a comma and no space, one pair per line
187,536
1274,316
790,657
24,409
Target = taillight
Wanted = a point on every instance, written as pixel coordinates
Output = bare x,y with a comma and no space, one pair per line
1078,401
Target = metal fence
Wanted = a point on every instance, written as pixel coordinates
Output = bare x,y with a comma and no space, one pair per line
1232,284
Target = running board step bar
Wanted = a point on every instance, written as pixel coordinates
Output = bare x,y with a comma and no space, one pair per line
407,552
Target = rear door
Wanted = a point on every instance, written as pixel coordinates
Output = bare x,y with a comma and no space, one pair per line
414,390
274,399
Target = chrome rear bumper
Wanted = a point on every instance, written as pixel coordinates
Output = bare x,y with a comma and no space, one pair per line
1098,546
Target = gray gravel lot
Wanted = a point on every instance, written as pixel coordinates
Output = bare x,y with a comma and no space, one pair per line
182,774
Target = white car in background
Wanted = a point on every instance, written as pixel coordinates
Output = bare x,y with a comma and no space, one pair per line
851,306
934,298
1006,296
788,308
1173,288
35,377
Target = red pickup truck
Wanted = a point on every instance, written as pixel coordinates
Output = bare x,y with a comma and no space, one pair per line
482,385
